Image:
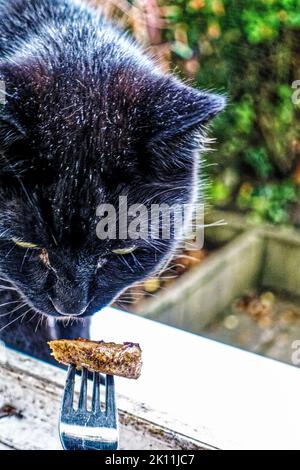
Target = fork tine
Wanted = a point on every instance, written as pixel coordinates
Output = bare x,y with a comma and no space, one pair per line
110,396
96,394
67,402
82,403
82,429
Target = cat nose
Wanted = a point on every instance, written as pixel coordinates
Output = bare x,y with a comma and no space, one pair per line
75,311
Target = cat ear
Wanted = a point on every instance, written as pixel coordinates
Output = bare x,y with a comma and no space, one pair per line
180,110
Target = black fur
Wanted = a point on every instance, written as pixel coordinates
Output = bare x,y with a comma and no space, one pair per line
88,118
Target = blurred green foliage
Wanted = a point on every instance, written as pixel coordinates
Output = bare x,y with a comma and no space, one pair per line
249,49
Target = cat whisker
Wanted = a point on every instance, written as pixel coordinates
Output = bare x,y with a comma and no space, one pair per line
24,257
33,316
24,304
127,264
166,278
24,314
136,298
176,265
176,188
65,321
13,311
4,232
5,280
38,322
137,261
7,288
188,257
10,323
129,300
9,303
9,251
130,294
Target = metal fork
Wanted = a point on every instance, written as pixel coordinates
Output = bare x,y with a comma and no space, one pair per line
82,429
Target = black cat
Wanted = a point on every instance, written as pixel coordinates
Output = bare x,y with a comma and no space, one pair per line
87,117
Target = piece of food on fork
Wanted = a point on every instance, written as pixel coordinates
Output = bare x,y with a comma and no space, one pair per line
124,360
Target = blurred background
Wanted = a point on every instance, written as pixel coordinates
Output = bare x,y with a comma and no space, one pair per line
250,50
242,288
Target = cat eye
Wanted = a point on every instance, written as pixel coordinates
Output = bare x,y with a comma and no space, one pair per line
124,251
24,244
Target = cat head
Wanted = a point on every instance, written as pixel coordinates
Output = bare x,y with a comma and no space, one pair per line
73,138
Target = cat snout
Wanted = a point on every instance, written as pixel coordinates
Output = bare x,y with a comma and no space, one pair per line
74,310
